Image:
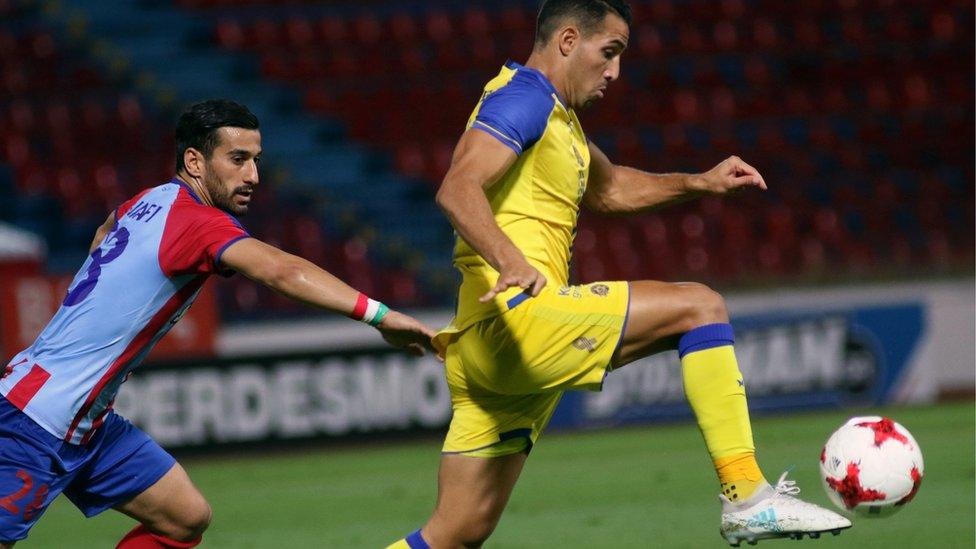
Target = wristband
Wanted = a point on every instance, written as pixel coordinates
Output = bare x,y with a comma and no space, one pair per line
369,310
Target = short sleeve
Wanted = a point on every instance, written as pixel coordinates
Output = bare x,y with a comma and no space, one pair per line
516,115
194,239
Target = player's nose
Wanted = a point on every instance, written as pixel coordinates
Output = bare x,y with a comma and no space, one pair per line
251,175
613,71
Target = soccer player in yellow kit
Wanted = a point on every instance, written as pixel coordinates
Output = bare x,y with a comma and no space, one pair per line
522,334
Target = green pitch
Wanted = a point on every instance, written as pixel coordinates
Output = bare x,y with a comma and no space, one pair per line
636,487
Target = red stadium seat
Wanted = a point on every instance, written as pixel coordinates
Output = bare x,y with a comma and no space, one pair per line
766,35
410,160
265,34
333,30
725,35
230,35
367,30
475,23
439,28
299,33
403,29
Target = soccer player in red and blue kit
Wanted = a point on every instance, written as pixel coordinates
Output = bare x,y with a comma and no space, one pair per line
58,432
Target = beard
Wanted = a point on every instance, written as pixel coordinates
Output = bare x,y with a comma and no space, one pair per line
222,198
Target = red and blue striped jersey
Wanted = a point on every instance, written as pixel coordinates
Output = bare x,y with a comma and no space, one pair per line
130,291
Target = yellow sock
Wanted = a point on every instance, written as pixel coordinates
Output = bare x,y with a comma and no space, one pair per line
716,392
399,544
739,475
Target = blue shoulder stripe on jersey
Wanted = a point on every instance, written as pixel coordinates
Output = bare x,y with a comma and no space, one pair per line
538,76
517,113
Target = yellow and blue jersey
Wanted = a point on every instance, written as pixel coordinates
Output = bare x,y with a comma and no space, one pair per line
536,202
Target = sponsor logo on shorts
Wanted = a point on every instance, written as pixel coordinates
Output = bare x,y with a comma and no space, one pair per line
584,343
570,291
600,289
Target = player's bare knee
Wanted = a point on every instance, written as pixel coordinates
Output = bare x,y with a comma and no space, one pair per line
475,533
197,522
706,306
192,521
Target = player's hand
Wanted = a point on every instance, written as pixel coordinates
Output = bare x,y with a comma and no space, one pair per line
406,332
517,273
731,175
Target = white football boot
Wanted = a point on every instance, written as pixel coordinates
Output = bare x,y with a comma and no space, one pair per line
774,512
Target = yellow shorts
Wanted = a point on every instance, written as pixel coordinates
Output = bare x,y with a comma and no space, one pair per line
507,373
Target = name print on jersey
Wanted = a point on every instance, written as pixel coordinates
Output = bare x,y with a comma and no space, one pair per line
143,209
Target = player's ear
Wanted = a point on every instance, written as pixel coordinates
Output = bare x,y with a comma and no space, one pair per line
193,160
567,38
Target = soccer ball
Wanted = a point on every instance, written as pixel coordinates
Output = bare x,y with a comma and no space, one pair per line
871,466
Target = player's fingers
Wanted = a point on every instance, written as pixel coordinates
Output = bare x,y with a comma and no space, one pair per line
741,166
540,283
746,180
745,169
427,341
499,288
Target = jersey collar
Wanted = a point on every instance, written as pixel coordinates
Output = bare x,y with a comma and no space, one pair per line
181,183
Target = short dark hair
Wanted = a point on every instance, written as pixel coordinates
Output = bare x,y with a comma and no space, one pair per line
589,14
198,125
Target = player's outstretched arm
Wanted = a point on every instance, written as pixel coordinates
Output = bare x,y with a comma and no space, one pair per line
302,280
479,161
619,189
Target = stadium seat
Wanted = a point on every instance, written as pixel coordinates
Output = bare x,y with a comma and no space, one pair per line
835,134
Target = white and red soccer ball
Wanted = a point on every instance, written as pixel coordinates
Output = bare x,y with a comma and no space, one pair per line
871,466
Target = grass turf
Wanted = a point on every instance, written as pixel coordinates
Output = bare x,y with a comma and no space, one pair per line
634,487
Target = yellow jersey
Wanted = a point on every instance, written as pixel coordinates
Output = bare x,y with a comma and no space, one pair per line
536,203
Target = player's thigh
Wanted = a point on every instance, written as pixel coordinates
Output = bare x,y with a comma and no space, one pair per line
173,506
131,473
560,340
471,495
660,312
